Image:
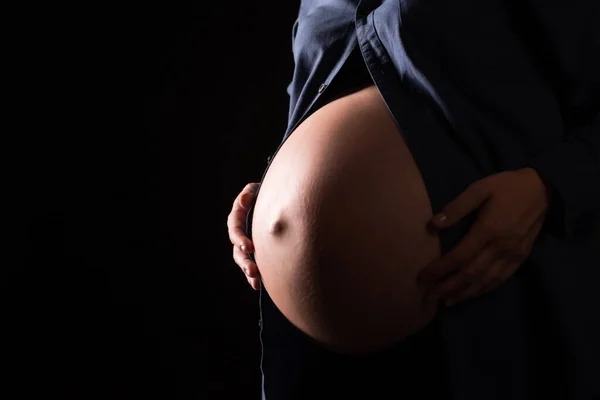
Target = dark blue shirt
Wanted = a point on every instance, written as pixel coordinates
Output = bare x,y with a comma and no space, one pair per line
478,87
518,81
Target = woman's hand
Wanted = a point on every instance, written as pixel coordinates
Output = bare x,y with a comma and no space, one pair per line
511,208
236,225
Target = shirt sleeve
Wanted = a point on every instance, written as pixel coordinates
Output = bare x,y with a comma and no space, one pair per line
564,38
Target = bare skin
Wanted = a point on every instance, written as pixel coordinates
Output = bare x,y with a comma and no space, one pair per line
236,226
340,228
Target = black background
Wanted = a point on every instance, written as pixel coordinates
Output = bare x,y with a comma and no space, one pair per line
148,122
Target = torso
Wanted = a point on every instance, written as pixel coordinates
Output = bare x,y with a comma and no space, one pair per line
339,228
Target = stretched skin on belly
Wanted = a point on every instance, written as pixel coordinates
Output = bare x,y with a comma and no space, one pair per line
339,228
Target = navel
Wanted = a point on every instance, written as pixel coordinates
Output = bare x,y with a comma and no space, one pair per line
278,227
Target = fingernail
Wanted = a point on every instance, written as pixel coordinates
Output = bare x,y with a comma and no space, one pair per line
243,247
440,218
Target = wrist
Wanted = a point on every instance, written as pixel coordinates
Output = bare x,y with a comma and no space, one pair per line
544,184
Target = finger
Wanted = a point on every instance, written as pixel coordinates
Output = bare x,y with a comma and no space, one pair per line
505,272
459,257
523,249
510,262
247,195
508,270
513,257
451,284
245,263
473,275
237,234
495,276
236,220
467,202
464,295
254,283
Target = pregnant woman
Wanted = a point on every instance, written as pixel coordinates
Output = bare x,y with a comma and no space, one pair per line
405,110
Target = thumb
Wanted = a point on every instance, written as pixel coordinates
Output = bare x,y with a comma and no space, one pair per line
467,202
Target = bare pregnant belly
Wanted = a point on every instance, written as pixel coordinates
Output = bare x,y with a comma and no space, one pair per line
339,228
